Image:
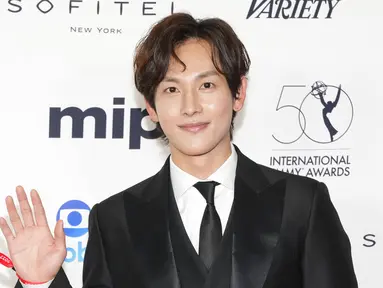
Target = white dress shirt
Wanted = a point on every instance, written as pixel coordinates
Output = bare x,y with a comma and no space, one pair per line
191,204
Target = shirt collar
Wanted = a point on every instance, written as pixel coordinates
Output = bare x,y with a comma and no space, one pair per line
225,175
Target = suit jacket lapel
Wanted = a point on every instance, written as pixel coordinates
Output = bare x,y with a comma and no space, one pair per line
147,216
257,216
258,208
191,270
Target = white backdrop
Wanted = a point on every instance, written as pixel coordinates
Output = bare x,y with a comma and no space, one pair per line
66,53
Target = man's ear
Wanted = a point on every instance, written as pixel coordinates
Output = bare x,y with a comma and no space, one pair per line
241,95
151,111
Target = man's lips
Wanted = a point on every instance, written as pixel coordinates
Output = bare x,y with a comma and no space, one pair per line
194,127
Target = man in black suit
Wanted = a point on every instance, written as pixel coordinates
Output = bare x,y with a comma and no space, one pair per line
211,217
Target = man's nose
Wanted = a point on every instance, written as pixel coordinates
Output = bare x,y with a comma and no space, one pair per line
191,103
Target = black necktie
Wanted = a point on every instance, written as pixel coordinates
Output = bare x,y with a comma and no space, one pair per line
210,234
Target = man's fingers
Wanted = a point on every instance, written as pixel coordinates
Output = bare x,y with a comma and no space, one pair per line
59,234
40,216
25,208
13,215
7,232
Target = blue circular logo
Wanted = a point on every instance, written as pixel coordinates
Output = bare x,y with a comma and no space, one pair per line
74,214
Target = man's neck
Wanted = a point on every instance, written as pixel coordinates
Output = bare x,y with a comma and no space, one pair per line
202,166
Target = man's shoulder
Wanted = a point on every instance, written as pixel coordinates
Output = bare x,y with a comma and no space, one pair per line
273,175
116,201
299,191
300,188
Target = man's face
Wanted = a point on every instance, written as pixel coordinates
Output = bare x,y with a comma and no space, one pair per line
194,106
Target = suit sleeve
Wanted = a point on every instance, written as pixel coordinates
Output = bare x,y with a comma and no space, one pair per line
327,260
95,268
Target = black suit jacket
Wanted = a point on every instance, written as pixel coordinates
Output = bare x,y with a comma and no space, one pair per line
285,234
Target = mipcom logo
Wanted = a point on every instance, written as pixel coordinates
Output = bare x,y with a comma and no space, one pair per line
74,214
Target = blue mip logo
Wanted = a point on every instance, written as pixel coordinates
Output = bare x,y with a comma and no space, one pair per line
74,214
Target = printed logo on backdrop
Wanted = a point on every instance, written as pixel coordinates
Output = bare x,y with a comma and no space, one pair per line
101,8
74,214
309,122
369,240
292,9
78,126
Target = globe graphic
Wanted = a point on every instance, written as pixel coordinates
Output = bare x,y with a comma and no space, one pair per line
318,88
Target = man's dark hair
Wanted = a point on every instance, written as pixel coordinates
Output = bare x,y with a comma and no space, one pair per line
154,51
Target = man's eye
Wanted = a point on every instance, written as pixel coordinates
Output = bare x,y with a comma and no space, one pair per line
171,90
207,85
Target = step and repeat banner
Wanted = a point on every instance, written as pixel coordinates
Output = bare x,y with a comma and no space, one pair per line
313,106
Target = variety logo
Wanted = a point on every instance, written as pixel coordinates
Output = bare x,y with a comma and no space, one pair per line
292,9
74,214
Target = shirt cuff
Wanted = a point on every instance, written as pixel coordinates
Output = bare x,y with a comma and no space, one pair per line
44,285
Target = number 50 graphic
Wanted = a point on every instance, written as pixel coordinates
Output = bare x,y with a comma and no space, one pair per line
322,113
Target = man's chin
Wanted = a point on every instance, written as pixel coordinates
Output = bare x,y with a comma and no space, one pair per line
195,149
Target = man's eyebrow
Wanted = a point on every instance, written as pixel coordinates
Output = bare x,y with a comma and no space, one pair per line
198,76
171,79
207,74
